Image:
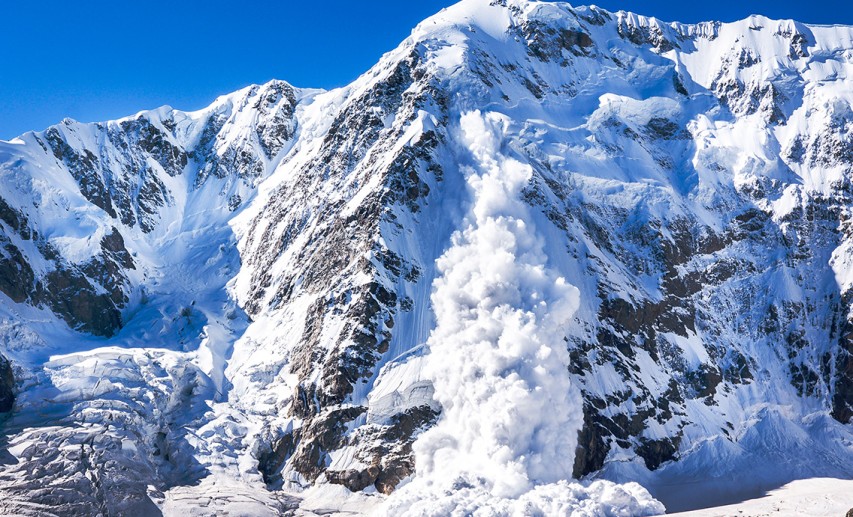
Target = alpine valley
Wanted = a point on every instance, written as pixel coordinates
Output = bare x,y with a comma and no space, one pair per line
539,260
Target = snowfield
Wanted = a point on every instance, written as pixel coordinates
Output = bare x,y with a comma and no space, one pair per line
816,497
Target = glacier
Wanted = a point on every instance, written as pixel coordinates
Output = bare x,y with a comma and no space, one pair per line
540,259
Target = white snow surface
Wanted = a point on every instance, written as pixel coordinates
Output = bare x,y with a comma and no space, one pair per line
191,375
816,497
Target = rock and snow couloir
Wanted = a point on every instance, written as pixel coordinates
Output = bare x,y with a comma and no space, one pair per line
533,243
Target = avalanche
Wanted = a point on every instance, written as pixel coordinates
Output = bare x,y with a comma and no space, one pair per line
505,442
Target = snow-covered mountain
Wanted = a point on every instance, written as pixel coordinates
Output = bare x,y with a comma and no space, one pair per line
534,243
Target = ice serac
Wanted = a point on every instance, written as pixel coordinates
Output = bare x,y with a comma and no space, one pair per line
535,242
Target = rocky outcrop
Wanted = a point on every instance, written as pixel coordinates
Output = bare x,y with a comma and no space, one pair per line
7,385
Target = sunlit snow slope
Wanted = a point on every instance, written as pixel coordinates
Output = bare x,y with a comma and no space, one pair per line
534,244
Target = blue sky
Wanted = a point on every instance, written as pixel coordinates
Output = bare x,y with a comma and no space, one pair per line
102,59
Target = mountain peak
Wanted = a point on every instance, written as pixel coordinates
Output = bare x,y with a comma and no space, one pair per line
533,243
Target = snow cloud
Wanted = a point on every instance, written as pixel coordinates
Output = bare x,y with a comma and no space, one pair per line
506,439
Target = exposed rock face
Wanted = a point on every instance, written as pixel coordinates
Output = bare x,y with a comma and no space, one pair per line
259,273
7,386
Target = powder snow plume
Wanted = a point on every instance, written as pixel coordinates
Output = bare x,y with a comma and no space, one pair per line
498,361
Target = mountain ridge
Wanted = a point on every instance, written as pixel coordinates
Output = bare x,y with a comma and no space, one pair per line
284,250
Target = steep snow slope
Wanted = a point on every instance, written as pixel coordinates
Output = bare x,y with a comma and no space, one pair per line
104,423
534,242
